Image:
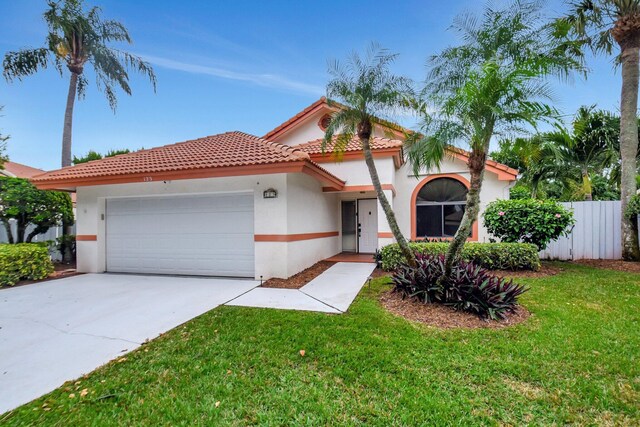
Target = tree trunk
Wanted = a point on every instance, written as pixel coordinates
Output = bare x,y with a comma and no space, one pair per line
364,134
586,186
476,165
20,230
629,147
68,120
7,227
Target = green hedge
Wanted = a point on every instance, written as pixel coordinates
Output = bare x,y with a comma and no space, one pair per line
494,256
24,261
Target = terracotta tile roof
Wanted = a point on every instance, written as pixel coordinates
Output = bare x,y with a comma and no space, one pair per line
490,163
218,151
315,147
19,170
316,106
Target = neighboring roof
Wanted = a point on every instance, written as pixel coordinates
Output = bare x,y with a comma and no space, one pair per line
18,170
227,154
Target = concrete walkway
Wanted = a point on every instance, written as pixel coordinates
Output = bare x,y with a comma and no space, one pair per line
333,291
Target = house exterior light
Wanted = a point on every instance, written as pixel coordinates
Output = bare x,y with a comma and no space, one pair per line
270,193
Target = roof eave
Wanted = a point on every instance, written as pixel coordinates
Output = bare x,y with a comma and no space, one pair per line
299,166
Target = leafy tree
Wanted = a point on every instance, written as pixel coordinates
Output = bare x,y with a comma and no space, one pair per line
600,25
23,202
76,38
588,150
568,158
368,90
491,84
94,155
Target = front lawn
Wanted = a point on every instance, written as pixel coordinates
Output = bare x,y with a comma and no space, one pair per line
574,361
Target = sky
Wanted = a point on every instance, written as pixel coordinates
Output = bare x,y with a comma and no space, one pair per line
231,65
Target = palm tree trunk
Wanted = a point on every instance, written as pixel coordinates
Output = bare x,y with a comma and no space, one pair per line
476,165
364,135
629,147
68,120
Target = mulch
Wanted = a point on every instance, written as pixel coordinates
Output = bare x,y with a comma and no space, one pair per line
299,280
443,317
610,264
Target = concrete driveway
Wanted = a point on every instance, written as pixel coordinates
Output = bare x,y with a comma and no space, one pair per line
56,331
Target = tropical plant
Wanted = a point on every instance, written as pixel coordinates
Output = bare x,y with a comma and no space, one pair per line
590,149
575,160
600,25
76,38
470,288
22,202
94,155
367,91
494,83
530,221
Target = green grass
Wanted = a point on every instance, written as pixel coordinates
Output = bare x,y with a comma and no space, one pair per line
574,361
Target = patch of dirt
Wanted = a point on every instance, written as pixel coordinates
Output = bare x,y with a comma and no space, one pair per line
611,264
299,280
545,270
444,317
378,272
60,271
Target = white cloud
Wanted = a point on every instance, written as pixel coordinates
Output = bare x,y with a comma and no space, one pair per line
267,80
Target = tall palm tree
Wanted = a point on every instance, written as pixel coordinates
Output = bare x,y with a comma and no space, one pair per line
368,91
491,84
600,24
76,38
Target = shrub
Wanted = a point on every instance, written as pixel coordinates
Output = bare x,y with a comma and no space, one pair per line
494,256
519,192
470,288
633,208
25,261
530,221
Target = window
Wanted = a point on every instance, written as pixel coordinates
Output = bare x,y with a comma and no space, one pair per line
324,122
439,207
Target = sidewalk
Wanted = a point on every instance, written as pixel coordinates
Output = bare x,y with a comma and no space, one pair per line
333,291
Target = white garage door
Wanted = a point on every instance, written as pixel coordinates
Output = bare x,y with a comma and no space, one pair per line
208,235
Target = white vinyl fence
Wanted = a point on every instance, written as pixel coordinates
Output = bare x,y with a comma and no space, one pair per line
52,234
595,235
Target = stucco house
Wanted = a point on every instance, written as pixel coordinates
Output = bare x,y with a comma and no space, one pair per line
234,204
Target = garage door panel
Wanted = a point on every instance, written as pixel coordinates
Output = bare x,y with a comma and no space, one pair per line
199,235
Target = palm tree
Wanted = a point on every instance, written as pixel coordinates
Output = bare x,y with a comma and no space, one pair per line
367,91
568,158
493,83
599,24
77,38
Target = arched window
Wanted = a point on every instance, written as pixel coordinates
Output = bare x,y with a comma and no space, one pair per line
440,204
